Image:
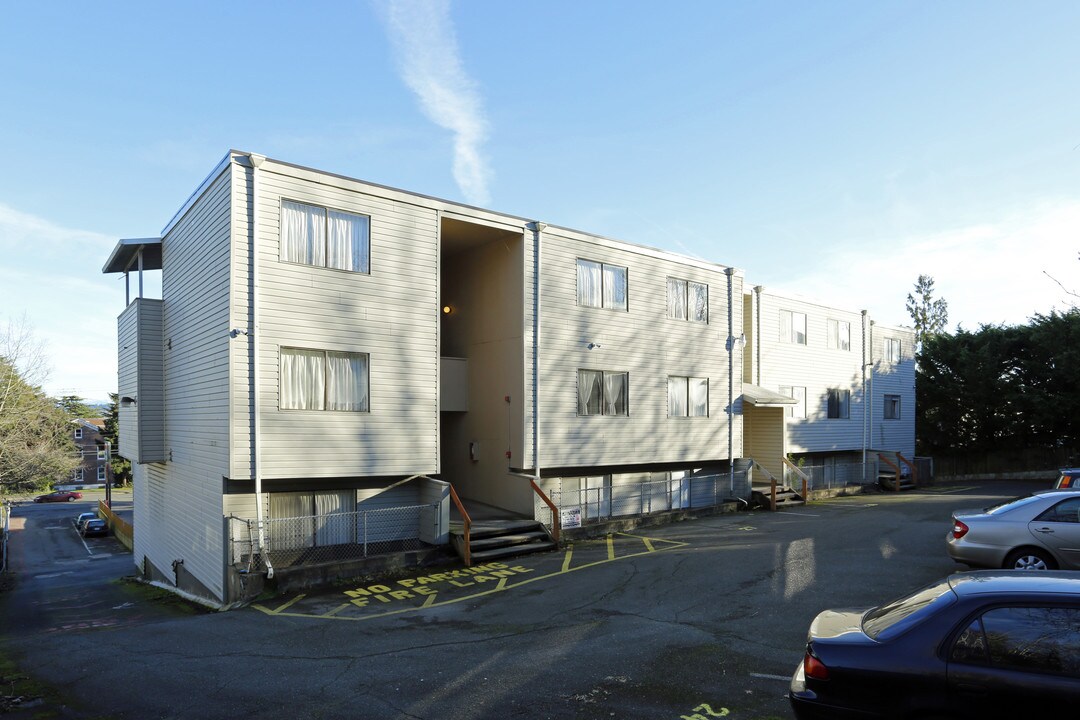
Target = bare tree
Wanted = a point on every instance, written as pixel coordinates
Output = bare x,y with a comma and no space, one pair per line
36,445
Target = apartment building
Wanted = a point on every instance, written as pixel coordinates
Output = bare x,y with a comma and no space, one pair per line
330,357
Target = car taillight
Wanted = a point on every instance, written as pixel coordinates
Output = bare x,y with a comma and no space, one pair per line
959,529
814,668
1066,482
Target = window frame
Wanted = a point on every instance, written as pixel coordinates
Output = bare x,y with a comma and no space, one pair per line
834,338
324,405
789,410
604,374
687,379
78,433
842,403
101,474
891,402
686,306
792,336
891,356
326,212
604,267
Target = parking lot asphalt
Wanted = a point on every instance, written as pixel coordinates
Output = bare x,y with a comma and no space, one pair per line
702,618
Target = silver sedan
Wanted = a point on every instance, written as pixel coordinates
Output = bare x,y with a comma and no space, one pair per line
1037,532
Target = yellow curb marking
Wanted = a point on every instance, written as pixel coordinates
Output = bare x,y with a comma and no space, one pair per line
566,560
610,547
501,587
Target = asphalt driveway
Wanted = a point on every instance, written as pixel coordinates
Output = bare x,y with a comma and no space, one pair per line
704,618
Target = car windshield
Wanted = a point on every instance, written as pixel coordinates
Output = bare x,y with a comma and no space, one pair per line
1014,503
894,618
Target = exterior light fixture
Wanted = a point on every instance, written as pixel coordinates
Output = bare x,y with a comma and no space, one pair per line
446,309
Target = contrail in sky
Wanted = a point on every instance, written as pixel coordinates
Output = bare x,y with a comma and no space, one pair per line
427,53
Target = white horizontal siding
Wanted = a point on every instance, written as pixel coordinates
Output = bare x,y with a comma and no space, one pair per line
185,492
642,341
816,367
391,314
894,379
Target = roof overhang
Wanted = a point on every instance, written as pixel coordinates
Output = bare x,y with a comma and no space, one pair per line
125,256
760,397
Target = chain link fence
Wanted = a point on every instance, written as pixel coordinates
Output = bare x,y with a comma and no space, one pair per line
334,537
827,477
579,506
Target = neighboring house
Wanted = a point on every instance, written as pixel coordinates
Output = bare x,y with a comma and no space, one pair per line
330,356
88,434
853,383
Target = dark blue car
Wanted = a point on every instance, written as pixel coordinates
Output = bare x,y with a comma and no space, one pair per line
992,644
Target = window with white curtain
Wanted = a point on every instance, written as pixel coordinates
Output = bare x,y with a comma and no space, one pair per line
603,392
838,335
891,407
601,285
687,300
688,397
792,327
323,380
892,350
798,393
314,235
839,404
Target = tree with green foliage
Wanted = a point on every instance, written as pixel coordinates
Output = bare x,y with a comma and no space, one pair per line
76,407
36,445
929,315
121,466
1001,388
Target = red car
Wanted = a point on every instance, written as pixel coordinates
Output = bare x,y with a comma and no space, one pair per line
59,496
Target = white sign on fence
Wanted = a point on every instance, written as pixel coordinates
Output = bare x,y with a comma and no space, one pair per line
571,517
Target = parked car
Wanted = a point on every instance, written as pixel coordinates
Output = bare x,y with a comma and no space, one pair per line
83,517
1068,479
986,644
59,496
1037,532
94,527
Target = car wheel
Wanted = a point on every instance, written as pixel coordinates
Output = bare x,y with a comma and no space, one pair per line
71,499
1029,559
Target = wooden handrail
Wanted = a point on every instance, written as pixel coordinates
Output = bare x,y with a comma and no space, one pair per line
468,524
555,520
896,469
911,465
805,478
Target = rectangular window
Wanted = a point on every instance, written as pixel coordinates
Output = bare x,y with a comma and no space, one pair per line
799,393
839,404
891,407
78,433
839,335
101,453
602,392
77,475
101,473
792,327
688,397
688,300
601,285
892,350
323,380
313,235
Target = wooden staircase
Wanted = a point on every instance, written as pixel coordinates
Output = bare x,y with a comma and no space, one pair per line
495,539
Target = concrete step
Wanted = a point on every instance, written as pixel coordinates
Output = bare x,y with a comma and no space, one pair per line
511,550
506,540
492,528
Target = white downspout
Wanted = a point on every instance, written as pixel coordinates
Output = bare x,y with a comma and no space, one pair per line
865,418
538,229
730,380
256,161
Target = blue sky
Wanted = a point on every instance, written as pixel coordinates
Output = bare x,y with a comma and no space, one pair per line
833,149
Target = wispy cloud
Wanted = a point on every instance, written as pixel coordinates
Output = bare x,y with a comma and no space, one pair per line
430,63
1002,271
